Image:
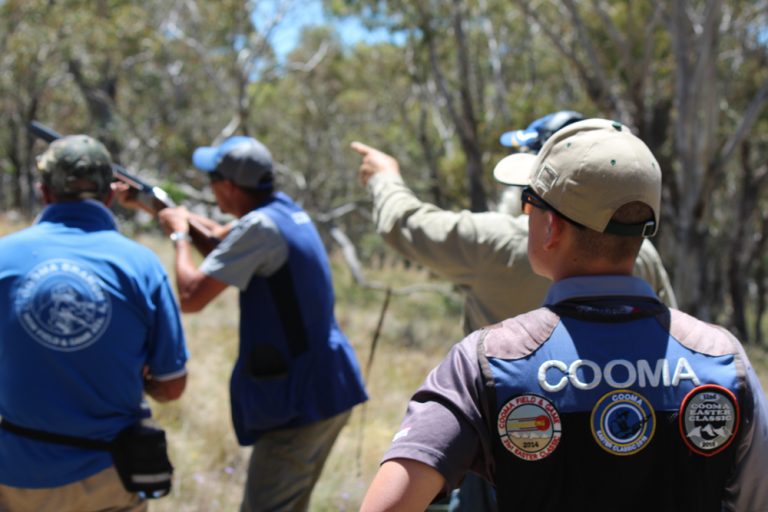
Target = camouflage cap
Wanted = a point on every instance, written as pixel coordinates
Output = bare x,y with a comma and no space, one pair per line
76,166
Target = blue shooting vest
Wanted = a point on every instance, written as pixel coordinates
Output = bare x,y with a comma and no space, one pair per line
294,366
594,413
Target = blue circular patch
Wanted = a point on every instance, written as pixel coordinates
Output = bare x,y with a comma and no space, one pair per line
63,305
623,422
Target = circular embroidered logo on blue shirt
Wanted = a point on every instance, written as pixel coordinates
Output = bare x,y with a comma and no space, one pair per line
529,427
709,419
63,305
623,422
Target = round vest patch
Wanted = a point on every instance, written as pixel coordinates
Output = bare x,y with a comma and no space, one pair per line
62,305
709,419
529,427
623,422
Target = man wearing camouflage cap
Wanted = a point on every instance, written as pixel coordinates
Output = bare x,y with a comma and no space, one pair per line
90,324
603,399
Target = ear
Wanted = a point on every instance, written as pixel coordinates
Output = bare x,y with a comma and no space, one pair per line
109,197
229,189
46,193
554,230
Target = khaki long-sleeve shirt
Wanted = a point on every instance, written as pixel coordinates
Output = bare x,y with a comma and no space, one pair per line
484,254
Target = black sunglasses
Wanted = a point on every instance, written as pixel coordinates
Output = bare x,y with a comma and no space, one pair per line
529,198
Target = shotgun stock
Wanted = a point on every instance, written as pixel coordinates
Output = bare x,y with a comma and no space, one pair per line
152,198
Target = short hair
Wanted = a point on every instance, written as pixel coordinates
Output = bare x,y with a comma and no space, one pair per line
258,194
615,248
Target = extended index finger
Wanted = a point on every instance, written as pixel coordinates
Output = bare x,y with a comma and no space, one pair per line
361,148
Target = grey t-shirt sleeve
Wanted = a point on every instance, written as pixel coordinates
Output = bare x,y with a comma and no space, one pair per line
255,246
747,489
444,426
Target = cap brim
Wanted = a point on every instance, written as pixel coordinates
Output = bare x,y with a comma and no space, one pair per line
205,158
507,139
515,169
518,138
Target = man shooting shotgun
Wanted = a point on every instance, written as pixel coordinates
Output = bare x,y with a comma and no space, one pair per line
135,193
296,378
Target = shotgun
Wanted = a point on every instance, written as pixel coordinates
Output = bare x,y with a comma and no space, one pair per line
153,198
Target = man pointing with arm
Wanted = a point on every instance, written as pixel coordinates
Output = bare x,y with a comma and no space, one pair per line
484,254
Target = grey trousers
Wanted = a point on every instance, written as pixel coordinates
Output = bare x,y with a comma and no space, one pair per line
285,465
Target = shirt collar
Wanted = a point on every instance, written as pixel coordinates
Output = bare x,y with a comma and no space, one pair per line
591,287
88,214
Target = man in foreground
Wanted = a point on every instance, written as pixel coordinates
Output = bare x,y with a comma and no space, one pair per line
484,254
604,398
89,324
296,378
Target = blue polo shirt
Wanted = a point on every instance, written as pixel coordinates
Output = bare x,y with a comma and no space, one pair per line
84,311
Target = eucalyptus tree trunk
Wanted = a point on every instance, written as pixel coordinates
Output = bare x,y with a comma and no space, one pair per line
463,115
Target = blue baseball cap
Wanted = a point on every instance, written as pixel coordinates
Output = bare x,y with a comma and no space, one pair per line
532,138
243,160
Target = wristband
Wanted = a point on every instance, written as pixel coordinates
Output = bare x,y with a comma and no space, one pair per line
179,235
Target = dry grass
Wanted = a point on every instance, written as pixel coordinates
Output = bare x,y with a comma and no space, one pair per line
211,467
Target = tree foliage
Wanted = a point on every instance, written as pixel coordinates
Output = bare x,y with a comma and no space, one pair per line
155,79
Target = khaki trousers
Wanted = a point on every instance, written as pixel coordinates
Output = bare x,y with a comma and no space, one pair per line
103,492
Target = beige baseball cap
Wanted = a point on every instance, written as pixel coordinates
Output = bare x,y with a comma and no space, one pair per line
588,170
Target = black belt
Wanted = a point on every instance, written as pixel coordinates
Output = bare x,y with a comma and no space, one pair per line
50,437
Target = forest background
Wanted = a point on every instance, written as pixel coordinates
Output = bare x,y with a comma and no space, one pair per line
155,79
436,87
